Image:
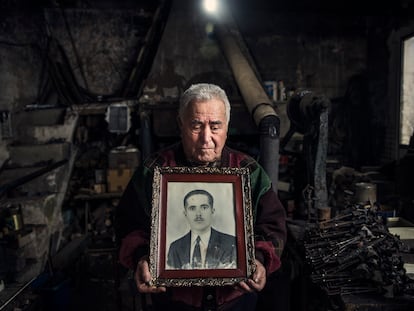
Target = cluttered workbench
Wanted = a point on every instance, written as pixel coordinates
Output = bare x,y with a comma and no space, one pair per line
358,260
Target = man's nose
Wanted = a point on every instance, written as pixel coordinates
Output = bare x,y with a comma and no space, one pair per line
206,134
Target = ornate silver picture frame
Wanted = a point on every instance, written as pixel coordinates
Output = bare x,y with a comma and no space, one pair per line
229,245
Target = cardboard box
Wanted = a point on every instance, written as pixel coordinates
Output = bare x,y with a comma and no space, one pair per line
122,157
117,179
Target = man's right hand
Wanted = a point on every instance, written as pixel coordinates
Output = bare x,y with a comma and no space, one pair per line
143,278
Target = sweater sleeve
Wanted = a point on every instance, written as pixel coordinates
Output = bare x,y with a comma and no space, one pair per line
133,218
270,221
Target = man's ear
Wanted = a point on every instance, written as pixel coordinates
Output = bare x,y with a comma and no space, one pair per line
185,212
213,210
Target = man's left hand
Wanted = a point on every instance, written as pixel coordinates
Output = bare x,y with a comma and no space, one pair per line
257,282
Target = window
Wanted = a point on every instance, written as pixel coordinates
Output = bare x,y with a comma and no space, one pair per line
407,92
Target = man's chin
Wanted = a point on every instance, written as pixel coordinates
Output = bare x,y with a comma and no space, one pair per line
203,160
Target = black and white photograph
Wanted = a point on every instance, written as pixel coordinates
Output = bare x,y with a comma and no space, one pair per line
201,230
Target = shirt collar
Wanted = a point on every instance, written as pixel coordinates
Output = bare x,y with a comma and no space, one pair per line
205,237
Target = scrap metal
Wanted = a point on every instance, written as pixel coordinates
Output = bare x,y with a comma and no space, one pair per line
354,252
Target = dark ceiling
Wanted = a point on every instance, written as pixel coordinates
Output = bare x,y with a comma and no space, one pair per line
355,7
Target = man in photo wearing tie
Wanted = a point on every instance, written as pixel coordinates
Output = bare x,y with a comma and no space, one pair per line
203,247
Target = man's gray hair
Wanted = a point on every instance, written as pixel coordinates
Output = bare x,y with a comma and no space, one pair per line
203,92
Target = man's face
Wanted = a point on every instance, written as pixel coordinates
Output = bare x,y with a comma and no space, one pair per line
204,131
199,212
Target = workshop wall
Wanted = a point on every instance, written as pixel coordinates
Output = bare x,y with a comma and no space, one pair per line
20,60
100,45
313,51
106,42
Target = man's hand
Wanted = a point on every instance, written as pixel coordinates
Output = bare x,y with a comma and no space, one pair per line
143,278
257,282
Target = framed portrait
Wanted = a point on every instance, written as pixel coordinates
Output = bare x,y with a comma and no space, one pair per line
201,227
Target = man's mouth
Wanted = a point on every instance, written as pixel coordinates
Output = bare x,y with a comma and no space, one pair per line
206,148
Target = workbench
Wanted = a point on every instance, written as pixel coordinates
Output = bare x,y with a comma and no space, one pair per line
312,294
366,302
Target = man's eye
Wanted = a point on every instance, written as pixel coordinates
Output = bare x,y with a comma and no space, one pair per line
215,126
205,206
191,208
196,127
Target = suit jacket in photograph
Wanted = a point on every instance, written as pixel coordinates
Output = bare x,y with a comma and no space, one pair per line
221,252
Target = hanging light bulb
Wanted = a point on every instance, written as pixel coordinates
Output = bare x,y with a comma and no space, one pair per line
210,6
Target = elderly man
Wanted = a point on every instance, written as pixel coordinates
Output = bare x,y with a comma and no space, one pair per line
203,119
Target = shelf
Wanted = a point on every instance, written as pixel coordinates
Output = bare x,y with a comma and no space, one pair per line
98,196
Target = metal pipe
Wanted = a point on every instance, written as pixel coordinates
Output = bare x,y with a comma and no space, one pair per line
17,293
255,98
269,147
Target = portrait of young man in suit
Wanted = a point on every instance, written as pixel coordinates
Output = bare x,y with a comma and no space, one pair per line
203,247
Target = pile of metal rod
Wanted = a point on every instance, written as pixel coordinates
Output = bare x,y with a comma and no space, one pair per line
354,252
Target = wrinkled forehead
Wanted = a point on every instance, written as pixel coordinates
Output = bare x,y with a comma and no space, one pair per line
214,108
